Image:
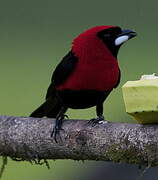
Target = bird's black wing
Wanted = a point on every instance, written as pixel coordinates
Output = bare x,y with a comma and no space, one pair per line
62,72
118,81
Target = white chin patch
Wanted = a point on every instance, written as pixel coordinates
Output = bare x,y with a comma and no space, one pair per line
121,40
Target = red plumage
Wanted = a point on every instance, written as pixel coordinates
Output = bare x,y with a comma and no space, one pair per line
85,76
97,68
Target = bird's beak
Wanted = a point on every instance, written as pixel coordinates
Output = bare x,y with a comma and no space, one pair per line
124,36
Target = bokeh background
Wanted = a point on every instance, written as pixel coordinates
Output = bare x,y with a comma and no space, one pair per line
36,34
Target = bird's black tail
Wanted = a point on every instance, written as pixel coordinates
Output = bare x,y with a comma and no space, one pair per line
39,112
50,108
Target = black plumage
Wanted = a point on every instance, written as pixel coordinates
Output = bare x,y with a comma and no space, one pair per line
57,102
60,97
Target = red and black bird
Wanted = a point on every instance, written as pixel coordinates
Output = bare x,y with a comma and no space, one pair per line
86,75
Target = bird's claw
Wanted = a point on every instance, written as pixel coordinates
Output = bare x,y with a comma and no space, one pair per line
57,128
56,134
95,121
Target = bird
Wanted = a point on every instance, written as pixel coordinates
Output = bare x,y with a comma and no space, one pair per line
86,75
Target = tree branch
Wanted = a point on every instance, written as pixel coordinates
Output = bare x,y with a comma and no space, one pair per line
27,138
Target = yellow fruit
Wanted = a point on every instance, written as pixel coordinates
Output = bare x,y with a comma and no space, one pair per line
141,99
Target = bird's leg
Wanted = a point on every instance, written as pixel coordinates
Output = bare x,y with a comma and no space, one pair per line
58,123
100,117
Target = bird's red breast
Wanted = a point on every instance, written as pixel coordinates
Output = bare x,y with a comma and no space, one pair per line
97,68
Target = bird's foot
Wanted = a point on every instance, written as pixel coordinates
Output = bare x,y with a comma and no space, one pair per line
56,134
57,128
98,120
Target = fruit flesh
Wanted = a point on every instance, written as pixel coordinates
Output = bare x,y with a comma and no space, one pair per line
141,100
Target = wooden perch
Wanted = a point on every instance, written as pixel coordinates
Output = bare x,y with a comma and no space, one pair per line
27,138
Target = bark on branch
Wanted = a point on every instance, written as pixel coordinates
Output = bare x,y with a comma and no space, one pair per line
29,138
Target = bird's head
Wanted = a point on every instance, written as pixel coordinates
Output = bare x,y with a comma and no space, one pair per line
114,37
97,38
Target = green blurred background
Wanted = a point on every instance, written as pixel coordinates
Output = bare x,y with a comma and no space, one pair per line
36,34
